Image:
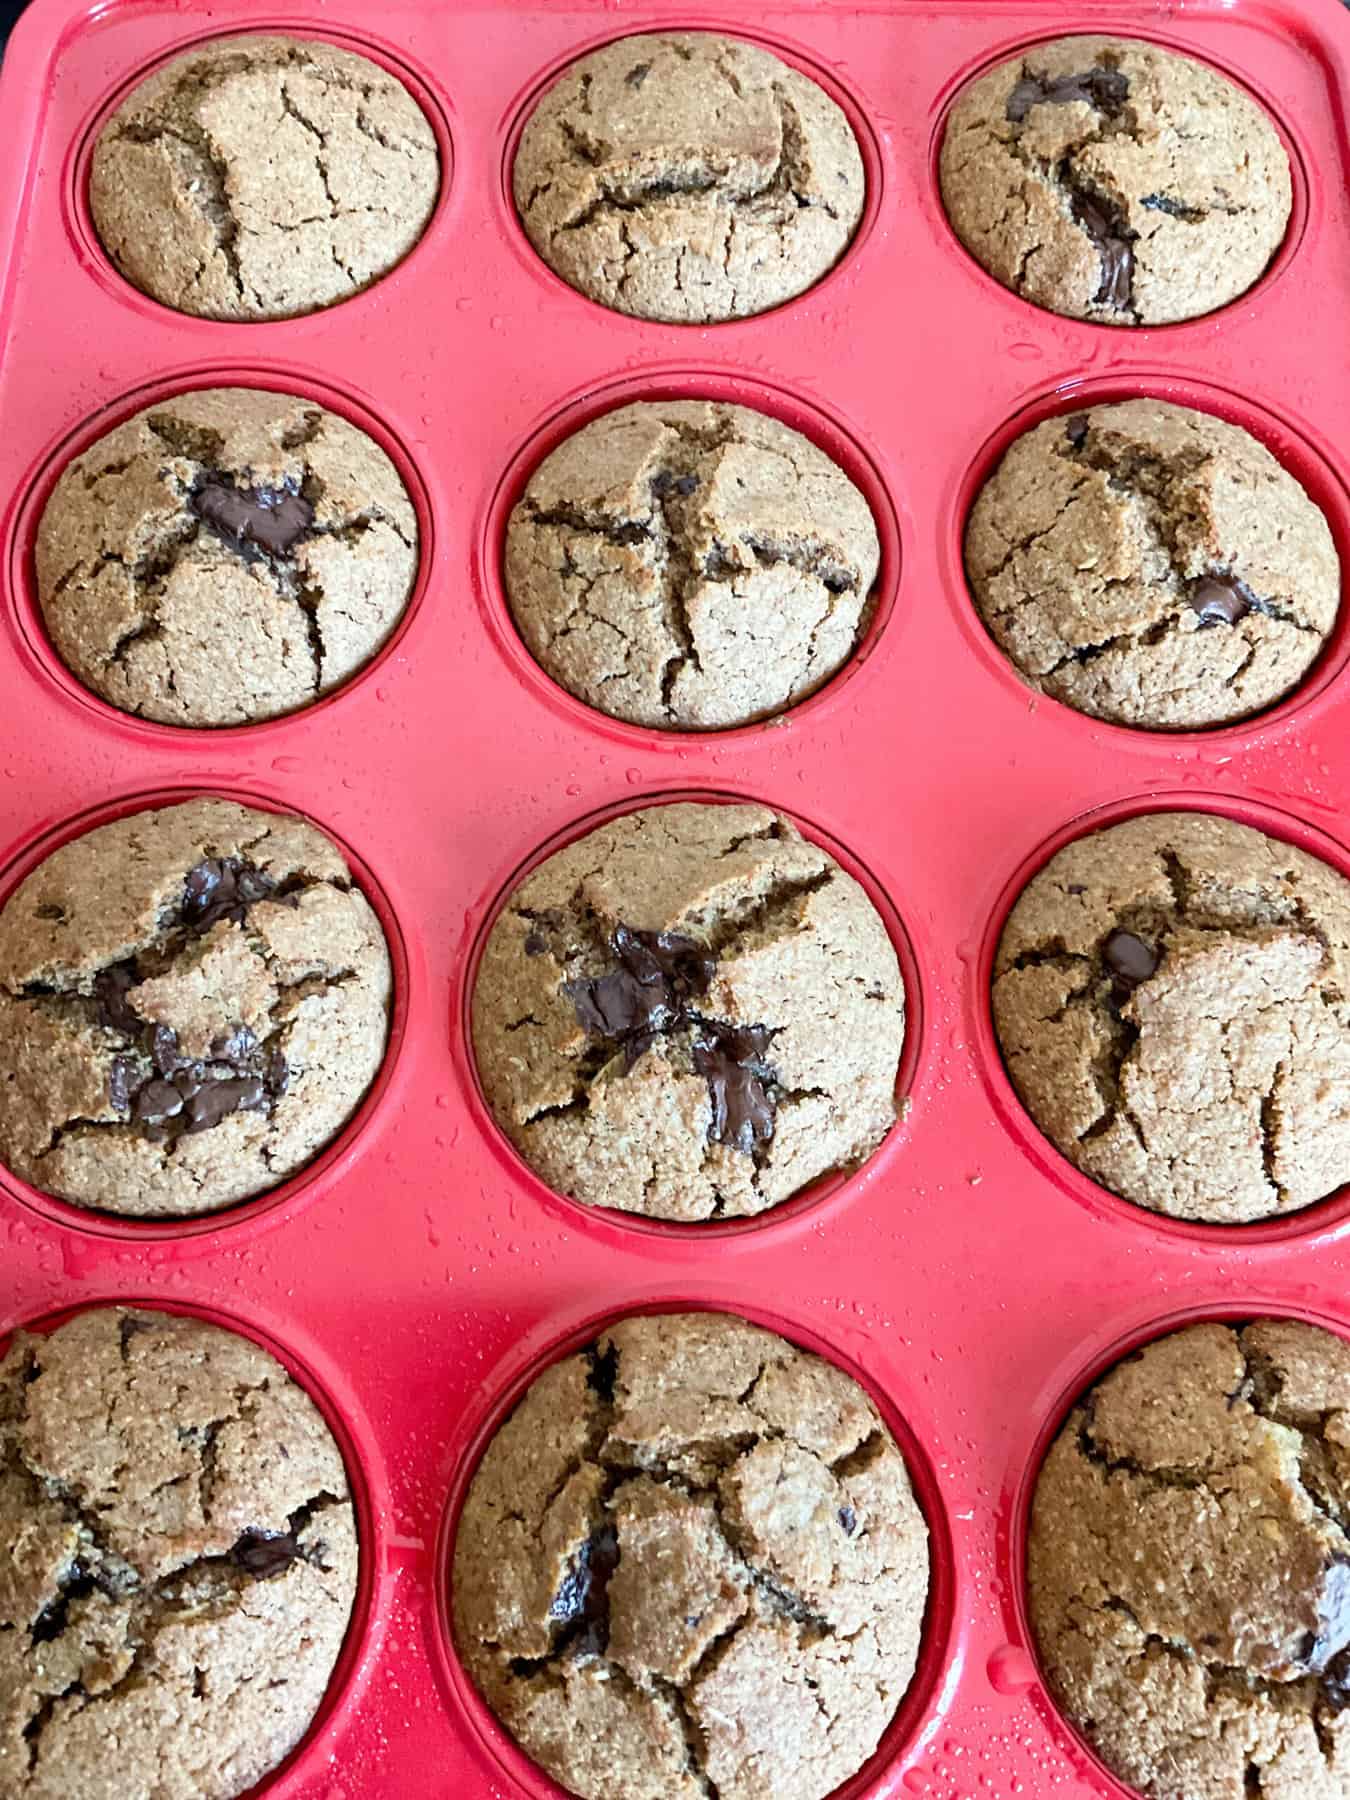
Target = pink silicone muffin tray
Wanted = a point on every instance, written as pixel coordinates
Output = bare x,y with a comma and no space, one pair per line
417,1275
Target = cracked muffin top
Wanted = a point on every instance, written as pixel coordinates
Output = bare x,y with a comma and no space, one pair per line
690,1563
1110,180
193,1002
690,565
688,178
186,1561
224,557
263,177
691,1013
1170,997
1153,566
1189,1565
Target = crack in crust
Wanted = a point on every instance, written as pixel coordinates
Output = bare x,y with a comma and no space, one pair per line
110,991
1107,179
657,1569
1214,1088
1152,565
688,178
690,565
800,957
194,214
189,1559
1189,1563
170,617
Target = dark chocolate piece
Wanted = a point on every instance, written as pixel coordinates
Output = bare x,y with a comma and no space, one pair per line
264,1554
1103,223
1102,88
1221,599
271,520
731,1059
848,1519
111,987
582,1600
1076,428
222,888
1129,959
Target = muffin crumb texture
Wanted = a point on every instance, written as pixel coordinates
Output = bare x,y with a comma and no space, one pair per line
263,177
1108,179
193,1002
690,565
184,1561
1170,996
691,1563
691,1013
1189,1568
224,557
1152,566
688,178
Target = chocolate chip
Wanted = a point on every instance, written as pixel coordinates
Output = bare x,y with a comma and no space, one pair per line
658,973
222,888
1335,1686
111,987
1102,88
278,1074
157,1102
848,1519
234,1046
582,1599
1129,959
265,1553
731,1060
1221,599
1104,225
120,1078
272,520
535,945
667,483
604,1372
164,1050
638,74
1075,887
1076,428
207,1104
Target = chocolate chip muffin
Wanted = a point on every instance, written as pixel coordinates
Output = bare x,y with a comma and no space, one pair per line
185,1561
263,177
690,1563
691,1013
688,177
1111,180
1153,566
1189,1565
690,565
1170,996
225,556
193,1002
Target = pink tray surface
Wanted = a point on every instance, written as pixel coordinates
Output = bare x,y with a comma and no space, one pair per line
418,1273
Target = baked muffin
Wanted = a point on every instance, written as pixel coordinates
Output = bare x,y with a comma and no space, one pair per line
688,177
1188,1564
263,177
1170,997
1153,566
1108,179
690,1013
690,1562
690,565
225,556
181,1560
193,1002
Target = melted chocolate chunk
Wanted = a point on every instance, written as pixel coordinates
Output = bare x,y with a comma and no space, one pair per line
120,1078
1076,428
1332,1639
264,1554
582,1600
638,74
731,1060
184,1096
659,973
1104,89
1221,599
270,520
666,483
222,888
1129,959
1104,225
603,1373
111,987
1336,1681
848,1519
